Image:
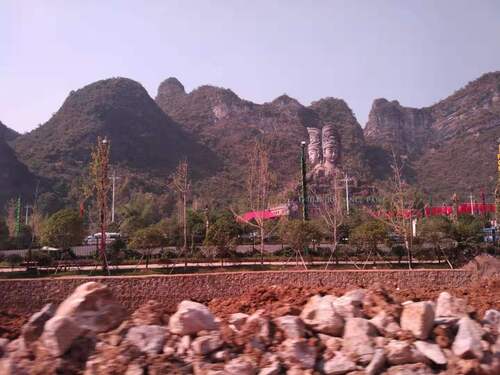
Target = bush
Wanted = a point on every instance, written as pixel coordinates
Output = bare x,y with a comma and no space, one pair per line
42,259
14,260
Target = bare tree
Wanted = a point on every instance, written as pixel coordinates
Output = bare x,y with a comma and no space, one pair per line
98,187
397,210
259,184
332,212
179,181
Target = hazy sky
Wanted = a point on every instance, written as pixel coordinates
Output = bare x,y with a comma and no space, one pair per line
414,51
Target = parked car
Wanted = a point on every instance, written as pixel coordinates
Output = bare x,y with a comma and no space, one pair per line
95,238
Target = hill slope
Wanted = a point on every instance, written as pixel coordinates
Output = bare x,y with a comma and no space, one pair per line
229,126
15,178
449,146
145,143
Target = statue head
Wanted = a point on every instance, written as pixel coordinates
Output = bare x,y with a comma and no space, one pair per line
314,147
330,144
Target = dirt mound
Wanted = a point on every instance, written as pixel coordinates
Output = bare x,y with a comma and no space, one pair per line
484,265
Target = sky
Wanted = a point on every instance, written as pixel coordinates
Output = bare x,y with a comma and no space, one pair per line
416,52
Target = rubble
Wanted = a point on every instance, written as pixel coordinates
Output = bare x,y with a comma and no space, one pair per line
360,332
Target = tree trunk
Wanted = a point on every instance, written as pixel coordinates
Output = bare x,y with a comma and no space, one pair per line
262,244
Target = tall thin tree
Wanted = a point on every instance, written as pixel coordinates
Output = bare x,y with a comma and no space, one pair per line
179,181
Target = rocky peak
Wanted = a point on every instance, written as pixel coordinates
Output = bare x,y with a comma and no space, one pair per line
171,87
394,127
7,134
285,101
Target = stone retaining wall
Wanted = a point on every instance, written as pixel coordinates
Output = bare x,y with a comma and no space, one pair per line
29,295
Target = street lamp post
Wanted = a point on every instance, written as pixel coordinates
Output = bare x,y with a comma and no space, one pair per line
305,215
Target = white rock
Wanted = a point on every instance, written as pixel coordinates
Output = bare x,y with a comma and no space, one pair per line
418,318
358,339
33,328
59,334
134,369
237,320
298,352
377,363
350,305
319,314
492,317
385,324
272,369
148,338
340,364
467,343
291,325
207,344
431,351
92,307
240,366
190,318
449,306
399,353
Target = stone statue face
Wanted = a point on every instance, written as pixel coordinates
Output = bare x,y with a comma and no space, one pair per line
330,153
314,147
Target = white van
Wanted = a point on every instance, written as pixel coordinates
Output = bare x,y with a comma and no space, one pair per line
95,238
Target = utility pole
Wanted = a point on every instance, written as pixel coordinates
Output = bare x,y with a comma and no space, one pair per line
305,215
113,179
27,207
471,204
18,217
346,179
497,190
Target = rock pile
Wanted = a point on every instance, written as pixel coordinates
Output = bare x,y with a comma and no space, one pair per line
360,332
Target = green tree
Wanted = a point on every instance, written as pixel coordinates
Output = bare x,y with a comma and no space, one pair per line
4,234
146,240
436,230
141,212
467,229
299,234
222,236
368,235
63,229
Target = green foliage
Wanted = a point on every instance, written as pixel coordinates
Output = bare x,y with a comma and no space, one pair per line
435,229
147,238
299,234
222,235
63,229
468,229
369,234
140,212
23,240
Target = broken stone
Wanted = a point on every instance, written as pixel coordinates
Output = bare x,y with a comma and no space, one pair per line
449,306
92,307
418,318
190,318
340,364
148,338
33,328
377,363
240,366
291,325
319,314
298,352
237,320
399,353
492,317
358,339
272,369
431,351
350,305
467,343
207,344
412,369
59,334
